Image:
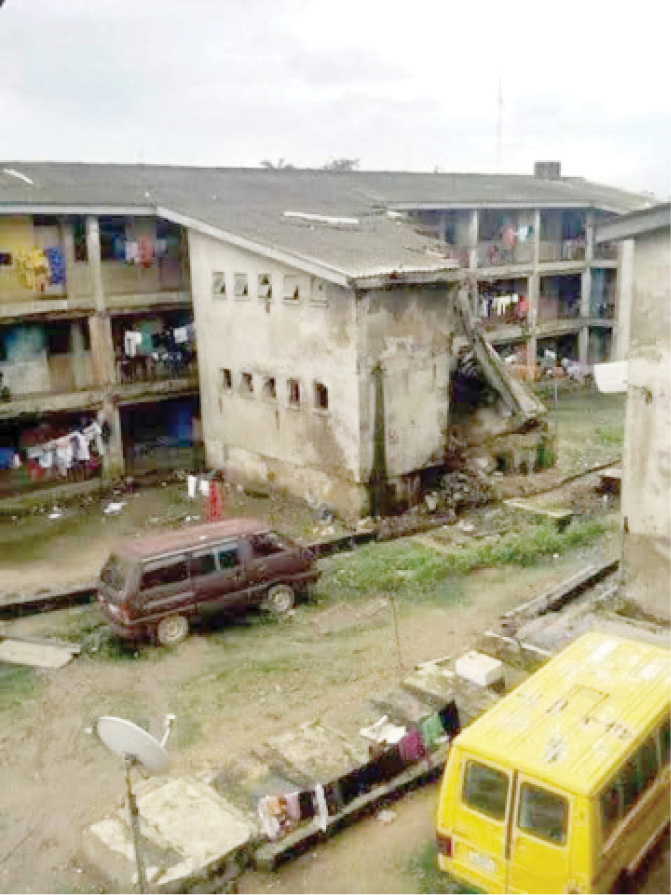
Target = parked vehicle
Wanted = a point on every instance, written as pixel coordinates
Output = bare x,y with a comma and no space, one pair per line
563,786
158,585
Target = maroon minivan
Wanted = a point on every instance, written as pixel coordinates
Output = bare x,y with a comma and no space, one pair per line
157,585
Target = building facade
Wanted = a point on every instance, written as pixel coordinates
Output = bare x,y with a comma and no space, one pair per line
320,303
646,481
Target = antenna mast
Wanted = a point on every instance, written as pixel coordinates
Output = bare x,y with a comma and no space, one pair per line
499,126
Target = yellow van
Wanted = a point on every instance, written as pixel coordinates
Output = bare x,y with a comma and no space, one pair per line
562,786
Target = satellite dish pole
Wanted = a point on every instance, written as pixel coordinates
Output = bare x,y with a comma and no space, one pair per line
499,127
136,747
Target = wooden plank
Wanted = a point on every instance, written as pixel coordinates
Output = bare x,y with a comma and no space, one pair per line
562,593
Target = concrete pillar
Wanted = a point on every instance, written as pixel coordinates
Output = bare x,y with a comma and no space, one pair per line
473,228
625,286
586,290
113,459
102,355
534,286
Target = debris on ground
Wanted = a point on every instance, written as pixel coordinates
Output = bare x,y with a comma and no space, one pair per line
386,816
114,507
37,653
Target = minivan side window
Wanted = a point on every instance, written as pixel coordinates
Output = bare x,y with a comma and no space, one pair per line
203,563
485,789
543,814
160,572
634,779
228,557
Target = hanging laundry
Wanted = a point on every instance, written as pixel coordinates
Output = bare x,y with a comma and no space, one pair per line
432,731
270,823
180,335
321,808
132,253
56,262
132,340
449,719
80,448
145,251
161,247
119,248
383,732
293,806
411,746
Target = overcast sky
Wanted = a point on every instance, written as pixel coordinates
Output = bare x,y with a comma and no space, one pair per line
410,85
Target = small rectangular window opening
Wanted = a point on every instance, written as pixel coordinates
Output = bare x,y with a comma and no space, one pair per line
6,259
294,387
219,284
265,287
241,285
270,388
321,396
247,384
226,379
292,288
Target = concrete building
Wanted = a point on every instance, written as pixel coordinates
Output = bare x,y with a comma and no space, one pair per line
320,301
646,485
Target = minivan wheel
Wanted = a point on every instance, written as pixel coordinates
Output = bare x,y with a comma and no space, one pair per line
172,629
280,599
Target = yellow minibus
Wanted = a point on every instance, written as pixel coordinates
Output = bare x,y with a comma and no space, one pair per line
563,785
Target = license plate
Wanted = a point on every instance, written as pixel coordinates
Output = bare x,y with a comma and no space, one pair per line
482,862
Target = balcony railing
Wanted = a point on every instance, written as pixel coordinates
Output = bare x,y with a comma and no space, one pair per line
496,254
567,250
606,251
155,367
48,374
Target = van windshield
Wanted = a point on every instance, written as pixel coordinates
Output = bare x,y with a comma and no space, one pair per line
115,573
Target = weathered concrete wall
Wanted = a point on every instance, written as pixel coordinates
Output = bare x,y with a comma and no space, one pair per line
307,450
406,332
646,511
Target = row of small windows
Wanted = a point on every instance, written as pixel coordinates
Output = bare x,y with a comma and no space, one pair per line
294,288
246,386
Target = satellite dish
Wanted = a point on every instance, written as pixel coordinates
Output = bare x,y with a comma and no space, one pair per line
136,747
132,742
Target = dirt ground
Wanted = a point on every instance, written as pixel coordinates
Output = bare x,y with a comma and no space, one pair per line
39,553
229,688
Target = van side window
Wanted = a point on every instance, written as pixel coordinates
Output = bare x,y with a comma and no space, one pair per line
203,563
228,557
266,544
486,789
164,571
665,741
633,780
543,814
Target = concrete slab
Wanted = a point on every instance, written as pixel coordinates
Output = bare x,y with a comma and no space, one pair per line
479,668
189,834
319,753
37,654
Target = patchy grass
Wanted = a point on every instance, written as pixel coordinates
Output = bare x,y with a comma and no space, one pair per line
426,876
412,571
611,436
17,683
589,427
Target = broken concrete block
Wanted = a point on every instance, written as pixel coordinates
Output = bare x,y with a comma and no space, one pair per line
189,833
479,668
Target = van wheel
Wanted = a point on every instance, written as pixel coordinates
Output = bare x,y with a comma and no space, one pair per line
172,629
280,600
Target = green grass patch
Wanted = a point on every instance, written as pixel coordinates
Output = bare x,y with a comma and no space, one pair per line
427,878
610,436
412,571
17,683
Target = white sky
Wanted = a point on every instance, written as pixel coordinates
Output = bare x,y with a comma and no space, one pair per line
409,85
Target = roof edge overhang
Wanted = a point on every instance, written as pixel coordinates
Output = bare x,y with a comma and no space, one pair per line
73,208
635,224
309,265
387,279
468,206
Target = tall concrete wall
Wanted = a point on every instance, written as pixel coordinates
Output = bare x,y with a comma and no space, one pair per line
646,510
308,450
405,332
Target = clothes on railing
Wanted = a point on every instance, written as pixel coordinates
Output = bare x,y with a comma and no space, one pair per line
80,450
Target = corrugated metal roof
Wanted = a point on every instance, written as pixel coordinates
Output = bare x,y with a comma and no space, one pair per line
573,722
251,202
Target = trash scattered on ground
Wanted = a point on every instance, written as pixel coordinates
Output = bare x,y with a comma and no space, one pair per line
386,816
114,507
38,653
55,514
